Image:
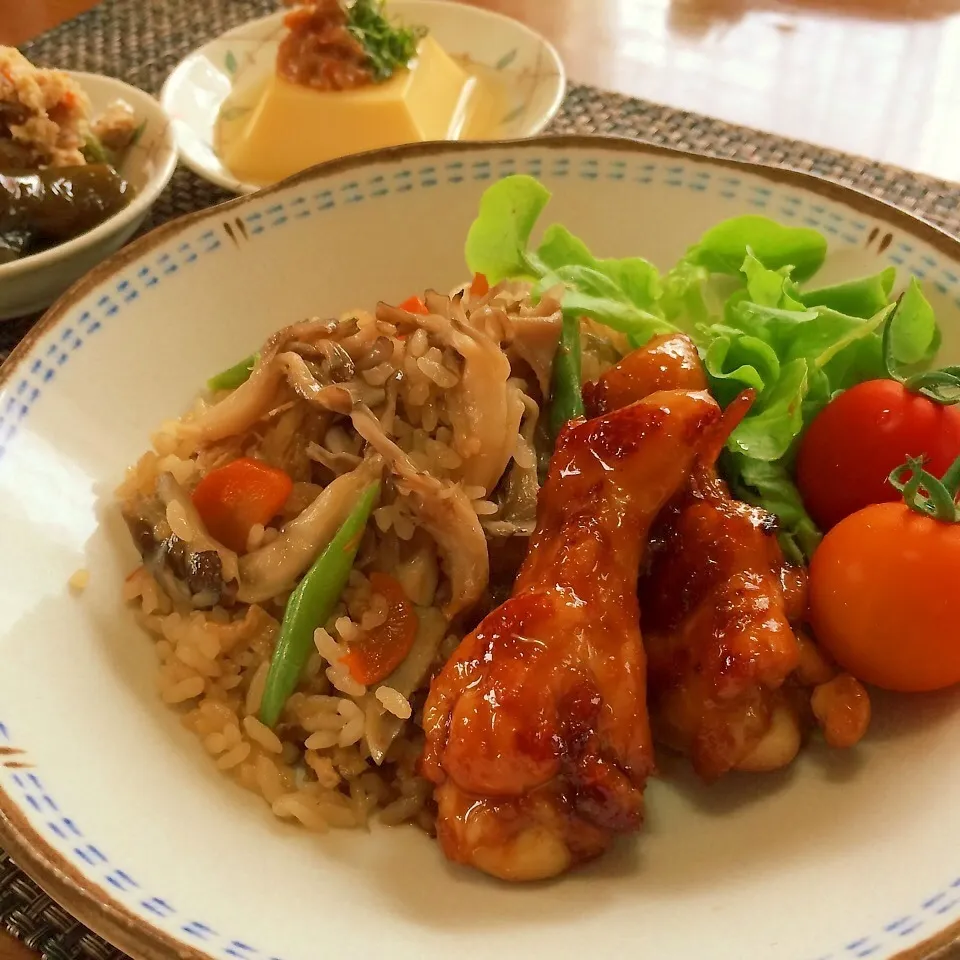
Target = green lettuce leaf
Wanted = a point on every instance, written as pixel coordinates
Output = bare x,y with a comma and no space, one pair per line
857,298
635,277
776,325
768,288
621,294
685,299
769,485
723,248
914,334
735,363
832,333
770,429
498,240
819,394
590,293
560,248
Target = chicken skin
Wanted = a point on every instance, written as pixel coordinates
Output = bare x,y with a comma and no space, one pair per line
719,637
729,672
537,734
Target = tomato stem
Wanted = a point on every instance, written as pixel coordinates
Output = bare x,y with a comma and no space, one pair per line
951,479
925,494
941,386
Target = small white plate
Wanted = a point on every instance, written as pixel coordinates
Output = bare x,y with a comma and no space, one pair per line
34,282
198,87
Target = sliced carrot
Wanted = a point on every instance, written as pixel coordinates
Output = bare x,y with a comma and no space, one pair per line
414,305
479,287
231,499
378,652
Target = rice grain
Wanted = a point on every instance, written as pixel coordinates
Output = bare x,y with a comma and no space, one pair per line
323,739
269,779
262,735
255,692
182,691
394,702
327,647
326,775
232,758
298,806
338,816
353,725
401,810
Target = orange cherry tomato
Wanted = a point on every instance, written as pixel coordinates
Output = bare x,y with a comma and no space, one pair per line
232,498
378,652
884,598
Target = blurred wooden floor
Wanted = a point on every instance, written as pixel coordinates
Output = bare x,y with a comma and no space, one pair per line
874,77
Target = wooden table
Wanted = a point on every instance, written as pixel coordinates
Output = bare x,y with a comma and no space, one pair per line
873,77
11,949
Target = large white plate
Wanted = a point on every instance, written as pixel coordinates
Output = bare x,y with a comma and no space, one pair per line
114,808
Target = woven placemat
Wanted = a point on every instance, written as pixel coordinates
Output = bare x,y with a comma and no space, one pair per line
140,41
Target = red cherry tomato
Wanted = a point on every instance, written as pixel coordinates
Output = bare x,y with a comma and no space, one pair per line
884,600
855,442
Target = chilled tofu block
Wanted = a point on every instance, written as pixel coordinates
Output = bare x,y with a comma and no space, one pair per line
294,127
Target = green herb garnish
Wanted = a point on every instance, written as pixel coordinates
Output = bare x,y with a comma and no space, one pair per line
388,47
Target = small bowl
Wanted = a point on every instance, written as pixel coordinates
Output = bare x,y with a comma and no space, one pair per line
34,282
198,87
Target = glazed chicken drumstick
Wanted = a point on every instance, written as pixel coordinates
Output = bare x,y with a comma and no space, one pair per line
537,735
733,678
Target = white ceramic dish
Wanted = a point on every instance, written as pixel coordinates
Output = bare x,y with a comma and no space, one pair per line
199,85
35,282
112,806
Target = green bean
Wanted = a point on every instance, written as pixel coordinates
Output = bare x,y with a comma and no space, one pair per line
566,398
232,377
310,606
94,151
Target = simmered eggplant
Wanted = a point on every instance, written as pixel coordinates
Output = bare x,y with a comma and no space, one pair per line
14,244
59,203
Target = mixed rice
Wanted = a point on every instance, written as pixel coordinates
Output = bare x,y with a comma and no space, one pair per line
443,406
